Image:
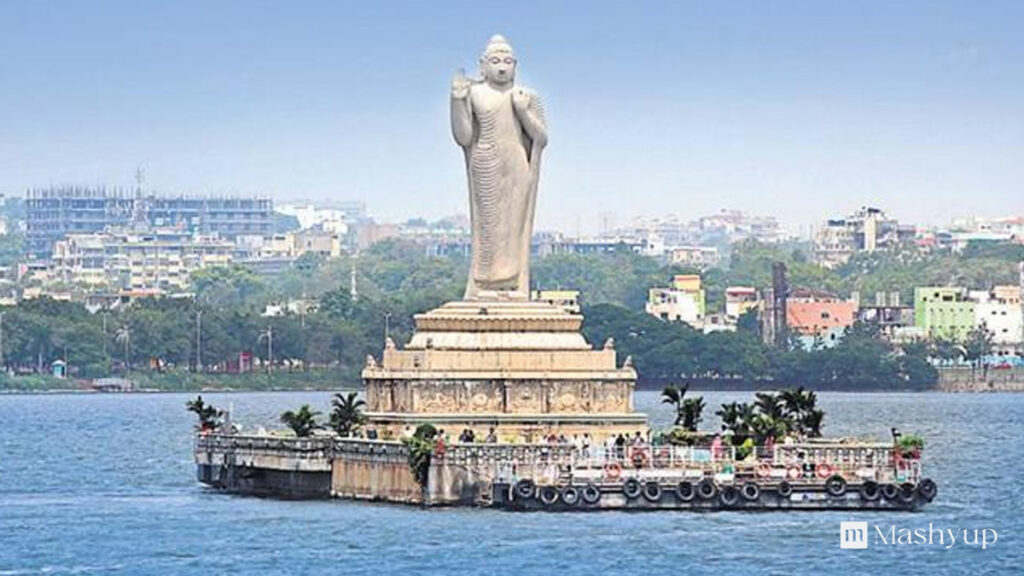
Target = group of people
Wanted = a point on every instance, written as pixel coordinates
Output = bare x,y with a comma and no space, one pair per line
581,443
617,446
467,436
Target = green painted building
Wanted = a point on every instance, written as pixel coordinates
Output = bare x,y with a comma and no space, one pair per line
943,312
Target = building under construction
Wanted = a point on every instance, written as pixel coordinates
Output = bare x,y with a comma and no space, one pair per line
53,213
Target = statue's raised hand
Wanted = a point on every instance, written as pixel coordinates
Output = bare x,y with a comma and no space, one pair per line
460,85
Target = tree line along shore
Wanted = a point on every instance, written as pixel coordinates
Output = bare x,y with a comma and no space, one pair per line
319,334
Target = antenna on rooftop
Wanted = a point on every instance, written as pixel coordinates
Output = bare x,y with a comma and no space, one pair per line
140,176
139,208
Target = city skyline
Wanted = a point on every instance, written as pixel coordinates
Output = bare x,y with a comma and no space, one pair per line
779,110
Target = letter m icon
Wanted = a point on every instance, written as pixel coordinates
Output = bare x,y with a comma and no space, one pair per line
853,535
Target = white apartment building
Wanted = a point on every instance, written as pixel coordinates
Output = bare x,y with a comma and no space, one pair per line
136,260
999,310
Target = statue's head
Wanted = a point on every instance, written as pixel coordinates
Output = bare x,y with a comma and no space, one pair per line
498,62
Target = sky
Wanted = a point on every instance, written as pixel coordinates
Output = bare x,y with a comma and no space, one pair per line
802,110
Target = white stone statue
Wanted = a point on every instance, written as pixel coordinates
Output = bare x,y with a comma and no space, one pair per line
501,129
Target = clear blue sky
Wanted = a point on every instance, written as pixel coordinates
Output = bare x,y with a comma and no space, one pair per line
799,109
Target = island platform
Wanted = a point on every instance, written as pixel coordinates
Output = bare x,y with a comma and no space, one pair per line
819,475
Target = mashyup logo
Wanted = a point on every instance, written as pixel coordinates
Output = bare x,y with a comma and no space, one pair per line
855,536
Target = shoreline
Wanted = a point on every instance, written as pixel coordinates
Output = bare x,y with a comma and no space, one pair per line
1016,388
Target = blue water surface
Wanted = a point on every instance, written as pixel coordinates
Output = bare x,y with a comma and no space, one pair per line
105,484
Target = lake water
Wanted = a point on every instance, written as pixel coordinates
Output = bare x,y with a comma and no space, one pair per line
105,484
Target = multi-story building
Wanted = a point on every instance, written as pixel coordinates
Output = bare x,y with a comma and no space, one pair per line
999,311
888,314
547,244
339,215
53,213
943,312
819,321
866,230
736,225
697,256
740,299
317,241
160,258
682,302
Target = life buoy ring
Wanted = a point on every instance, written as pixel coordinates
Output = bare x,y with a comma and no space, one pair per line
548,495
784,489
751,491
707,489
612,470
928,489
824,471
794,472
685,491
632,488
870,491
764,470
591,494
729,496
652,491
639,457
524,489
835,485
570,495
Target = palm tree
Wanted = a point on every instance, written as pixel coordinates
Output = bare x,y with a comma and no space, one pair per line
801,409
674,395
738,419
302,422
772,420
811,423
209,417
792,400
770,404
693,410
347,416
123,335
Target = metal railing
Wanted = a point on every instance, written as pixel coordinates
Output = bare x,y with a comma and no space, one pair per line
805,462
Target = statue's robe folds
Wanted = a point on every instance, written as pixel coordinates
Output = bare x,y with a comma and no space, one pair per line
503,165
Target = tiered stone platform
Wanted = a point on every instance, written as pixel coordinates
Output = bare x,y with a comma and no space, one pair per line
520,367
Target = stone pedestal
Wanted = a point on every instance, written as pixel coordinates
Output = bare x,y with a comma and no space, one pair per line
522,368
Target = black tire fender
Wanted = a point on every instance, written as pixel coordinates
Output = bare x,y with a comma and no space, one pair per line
685,491
750,491
870,491
524,489
707,489
652,491
785,489
631,488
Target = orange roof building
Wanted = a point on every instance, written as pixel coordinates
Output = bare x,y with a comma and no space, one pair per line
827,320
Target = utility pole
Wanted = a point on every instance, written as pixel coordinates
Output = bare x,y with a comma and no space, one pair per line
199,341
1,341
269,336
387,326
353,292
